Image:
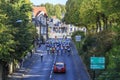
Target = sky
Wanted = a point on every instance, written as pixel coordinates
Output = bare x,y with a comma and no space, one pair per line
38,2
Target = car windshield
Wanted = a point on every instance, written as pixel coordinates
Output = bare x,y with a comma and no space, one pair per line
59,64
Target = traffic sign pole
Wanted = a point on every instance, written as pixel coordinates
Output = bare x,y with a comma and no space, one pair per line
93,74
97,63
78,39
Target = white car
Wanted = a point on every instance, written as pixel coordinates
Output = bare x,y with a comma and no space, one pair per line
39,51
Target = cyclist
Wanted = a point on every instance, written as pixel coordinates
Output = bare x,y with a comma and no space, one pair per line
48,49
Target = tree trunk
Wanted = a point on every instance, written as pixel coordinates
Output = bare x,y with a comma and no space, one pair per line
110,23
99,24
86,29
1,70
96,27
104,19
106,23
10,68
93,29
5,71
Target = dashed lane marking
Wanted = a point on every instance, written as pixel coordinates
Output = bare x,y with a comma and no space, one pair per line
52,68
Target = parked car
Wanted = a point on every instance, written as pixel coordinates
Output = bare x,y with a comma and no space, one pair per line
59,67
39,51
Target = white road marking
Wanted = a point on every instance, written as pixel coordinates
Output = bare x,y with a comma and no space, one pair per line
52,68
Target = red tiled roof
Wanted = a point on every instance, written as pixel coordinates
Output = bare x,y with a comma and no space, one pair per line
38,9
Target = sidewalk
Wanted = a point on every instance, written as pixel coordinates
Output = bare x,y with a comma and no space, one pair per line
19,73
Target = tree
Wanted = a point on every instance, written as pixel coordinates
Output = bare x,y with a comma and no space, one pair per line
72,14
111,9
63,10
6,39
50,9
55,10
102,19
6,44
58,11
16,39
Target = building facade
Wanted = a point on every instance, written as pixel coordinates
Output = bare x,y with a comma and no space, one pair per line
40,20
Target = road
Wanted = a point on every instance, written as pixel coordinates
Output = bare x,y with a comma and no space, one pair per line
75,67
43,70
39,70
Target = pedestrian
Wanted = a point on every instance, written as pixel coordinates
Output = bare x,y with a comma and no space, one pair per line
41,57
53,50
57,50
39,45
61,49
48,49
31,52
69,50
21,63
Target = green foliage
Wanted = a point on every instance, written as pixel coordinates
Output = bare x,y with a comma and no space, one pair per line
105,44
72,15
81,33
16,39
113,59
24,37
102,20
6,44
50,9
58,11
117,38
55,10
112,69
88,13
97,14
78,44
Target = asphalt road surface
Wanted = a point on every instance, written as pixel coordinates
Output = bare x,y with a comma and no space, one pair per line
43,70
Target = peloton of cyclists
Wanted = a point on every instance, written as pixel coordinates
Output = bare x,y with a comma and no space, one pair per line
58,47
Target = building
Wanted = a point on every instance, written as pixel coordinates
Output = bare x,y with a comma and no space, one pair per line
37,9
72,28
40,20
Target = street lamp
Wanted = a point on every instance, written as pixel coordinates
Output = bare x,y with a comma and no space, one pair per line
22,60
19,21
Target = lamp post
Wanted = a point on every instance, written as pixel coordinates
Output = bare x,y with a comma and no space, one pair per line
22,60
18,22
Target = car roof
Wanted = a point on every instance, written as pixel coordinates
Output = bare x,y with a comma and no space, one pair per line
60,63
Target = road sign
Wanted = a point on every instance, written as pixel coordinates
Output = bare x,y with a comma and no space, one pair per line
97,62
78,38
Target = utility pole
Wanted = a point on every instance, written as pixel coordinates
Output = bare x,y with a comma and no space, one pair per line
40,29
46,26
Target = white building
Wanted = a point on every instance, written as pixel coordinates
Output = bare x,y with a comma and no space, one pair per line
72,28
40,21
